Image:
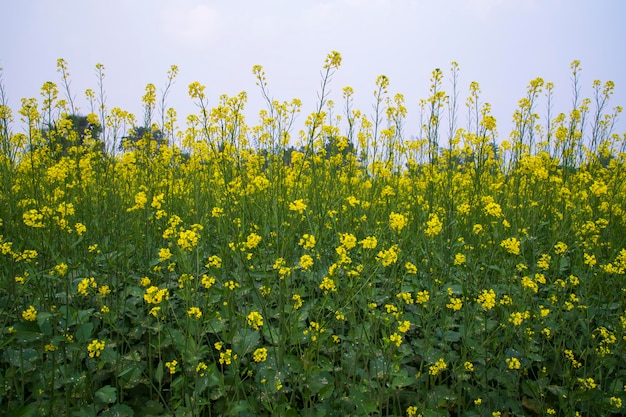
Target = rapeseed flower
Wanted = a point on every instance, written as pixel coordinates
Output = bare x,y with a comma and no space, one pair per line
95,348
30,314
255,319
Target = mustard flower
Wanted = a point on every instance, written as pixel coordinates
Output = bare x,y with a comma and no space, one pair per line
252,241
194,312
459,259
260,355
512,245
231,285
154,295
30,314
616,402
406,297
297,301
388,256
487,299
410,268
60,269
307,241
306,262
560,248
544,261
404,326
298,205
104,290
80,228
396,339
422,297
434,225
348,240
255,319
411,411
214,261
95,348
328,285
477,228
439,366
513,363
469,367
455,304
207,281
201,368
171,366
217,212
370,242
227,357
164,254
397,221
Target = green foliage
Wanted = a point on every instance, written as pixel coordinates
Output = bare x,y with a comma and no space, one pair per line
222,270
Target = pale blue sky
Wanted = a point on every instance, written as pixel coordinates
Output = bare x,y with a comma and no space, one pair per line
502,44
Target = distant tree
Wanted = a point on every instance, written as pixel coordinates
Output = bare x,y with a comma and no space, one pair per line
141,136
73,130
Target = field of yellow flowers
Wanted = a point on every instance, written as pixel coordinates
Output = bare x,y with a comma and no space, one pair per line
341,269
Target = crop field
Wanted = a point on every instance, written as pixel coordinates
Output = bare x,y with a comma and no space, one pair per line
316,264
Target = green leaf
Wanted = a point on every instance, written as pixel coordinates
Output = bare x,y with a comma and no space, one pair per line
83,333
318,381
118,410
158,373
107,394
245,341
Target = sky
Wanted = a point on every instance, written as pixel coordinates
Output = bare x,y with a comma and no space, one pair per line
501,44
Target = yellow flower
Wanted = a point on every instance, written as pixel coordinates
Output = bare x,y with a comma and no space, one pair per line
104,290
469,367
513,363
410,268
404,326
50,347
60,269
260,355
389,256
297,205
95,348
422,297
328,285
434,226
255,319
306,262
30,314
369,242
201,368
455,304
164,254
80,229
397,221
307,241
194,312
252,241
297,301
487,299
411,411
171,366
227,357
512,245
207,281
439,366
459,259
396,338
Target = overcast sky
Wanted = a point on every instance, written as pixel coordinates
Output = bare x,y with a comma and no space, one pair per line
502,44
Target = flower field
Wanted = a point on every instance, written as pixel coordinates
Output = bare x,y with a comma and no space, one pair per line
338,268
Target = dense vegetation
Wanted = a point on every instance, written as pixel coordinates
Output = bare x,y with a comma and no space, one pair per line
236,269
